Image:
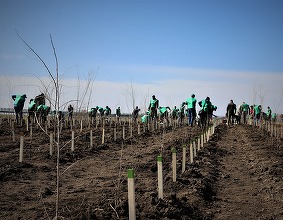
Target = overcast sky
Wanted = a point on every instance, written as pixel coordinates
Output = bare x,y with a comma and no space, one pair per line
221,49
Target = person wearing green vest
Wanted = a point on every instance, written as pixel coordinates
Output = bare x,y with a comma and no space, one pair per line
257,110
245,111
175,113
153,106
107,111
210,112
273,117
92,113
145,118
100,110
43,111
163,113
118,114
191,109
205,110
205,105
31,110
19,102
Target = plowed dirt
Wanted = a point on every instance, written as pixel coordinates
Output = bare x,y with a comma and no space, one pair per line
236,175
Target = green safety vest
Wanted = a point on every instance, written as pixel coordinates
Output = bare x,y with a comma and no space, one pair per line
19,99
144,118
191,102
206,106
257,109
245,107
153,103
31,105
44,107
162,110
107,110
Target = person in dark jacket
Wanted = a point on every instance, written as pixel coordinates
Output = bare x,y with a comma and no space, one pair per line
135,114
231,111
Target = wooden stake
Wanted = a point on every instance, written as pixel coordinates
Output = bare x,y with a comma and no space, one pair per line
51,144
160,177
184,158
131,195
123,132
115,133
81,126
21,148
26,123
191,153
195,148
13,132
73,141
91,139
198,143
103,135
174,164
30,132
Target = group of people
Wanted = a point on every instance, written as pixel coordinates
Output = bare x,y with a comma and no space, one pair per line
37,108
234,114
155,111
161,113
244,111
103,112
187,108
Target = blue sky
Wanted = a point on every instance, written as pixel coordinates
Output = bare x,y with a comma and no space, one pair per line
222,49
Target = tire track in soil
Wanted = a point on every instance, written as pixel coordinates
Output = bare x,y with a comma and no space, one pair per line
250,183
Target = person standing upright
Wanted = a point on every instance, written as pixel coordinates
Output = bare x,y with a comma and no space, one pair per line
191,109
153,107
231,111
269,113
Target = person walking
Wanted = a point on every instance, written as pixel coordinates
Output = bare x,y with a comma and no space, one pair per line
231,111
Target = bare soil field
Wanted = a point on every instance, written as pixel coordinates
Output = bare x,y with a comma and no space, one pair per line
236,175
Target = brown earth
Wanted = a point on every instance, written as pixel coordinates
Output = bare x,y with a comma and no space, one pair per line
237,175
